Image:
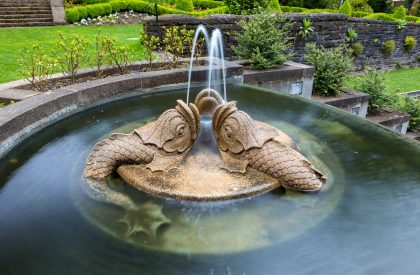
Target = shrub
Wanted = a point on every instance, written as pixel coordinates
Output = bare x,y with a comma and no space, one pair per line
37,66
245,6
121,56
331,66
345,8
351,35
306,29
410,18
274,5
262,42
373,83
380,5
150,44
399,12
118,5
73,54
176,42
219,10
357,49
185,5
72,15
292,9
388,47
410,43
381,16
415,10
141,6
103,46
208,4
361,6
359,14
98,10
319,11
82,12
411,106
401,24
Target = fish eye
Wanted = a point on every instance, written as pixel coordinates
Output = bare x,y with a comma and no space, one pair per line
227,132
181,131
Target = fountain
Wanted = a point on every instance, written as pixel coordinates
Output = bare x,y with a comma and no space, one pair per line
127,217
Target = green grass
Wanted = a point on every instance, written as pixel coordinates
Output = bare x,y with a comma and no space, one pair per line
396,81
14,40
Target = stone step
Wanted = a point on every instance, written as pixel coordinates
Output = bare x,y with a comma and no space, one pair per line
24,20
29,15
23,9
28,12
26,24
17,4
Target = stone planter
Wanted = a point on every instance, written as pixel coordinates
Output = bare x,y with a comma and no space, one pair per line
393,119
292,78
349,100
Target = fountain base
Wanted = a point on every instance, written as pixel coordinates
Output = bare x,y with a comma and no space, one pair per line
200,178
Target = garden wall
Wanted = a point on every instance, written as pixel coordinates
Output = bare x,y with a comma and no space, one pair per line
330,31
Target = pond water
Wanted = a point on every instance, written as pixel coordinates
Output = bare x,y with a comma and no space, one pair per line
365,221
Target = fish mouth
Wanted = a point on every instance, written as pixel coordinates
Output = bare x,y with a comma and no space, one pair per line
207,101
191,114
220,114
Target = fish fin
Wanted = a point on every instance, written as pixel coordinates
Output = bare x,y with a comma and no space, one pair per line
233,164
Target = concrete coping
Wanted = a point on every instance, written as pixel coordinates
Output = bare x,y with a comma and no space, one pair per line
19,120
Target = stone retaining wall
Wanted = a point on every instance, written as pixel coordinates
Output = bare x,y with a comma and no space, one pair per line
330,31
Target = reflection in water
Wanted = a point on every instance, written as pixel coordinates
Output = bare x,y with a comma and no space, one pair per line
365,222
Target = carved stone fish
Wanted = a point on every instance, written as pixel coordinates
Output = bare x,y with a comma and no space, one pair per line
161,144
243,143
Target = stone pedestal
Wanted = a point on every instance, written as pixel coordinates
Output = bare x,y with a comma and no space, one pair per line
57,9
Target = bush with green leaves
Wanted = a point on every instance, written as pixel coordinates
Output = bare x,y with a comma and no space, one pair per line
410,43
150,44
176,42
401,24
208,4
345,8
372,83
38,66
122,57
357,49
361,6
72,15
103,46
262,42
351,35
388,47
331,66
411,106
96,10
381,16
400,13
415,10
380,5
306,29
274,6
410,18
359,14
245,6
72,54
184,5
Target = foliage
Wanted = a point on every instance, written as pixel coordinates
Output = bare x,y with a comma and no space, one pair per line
72,15
176,42
38,66
208,4
98,10
351,35
373,83
380,5
388,47
245,6
399,13
357,49
331,66
73,53
410,43
399,66
150,44
184,5
410,18
292,9
345,8
359,14
121,56
306,29
361,6
263,43
274,5
118,5
401,24
381,16
415,10
2,104
103,46
411,106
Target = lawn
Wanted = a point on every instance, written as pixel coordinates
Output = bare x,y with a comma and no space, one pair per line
16,39
396,81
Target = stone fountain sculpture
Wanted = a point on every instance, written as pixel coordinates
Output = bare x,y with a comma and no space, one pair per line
256,156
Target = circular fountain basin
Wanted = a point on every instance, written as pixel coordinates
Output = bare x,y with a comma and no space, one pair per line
364,221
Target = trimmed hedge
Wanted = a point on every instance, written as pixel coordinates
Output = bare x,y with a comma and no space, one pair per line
208,4
381,16
292,9
96,10
359,14
72,15
118,5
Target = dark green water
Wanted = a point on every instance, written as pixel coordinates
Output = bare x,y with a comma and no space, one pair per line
367,222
